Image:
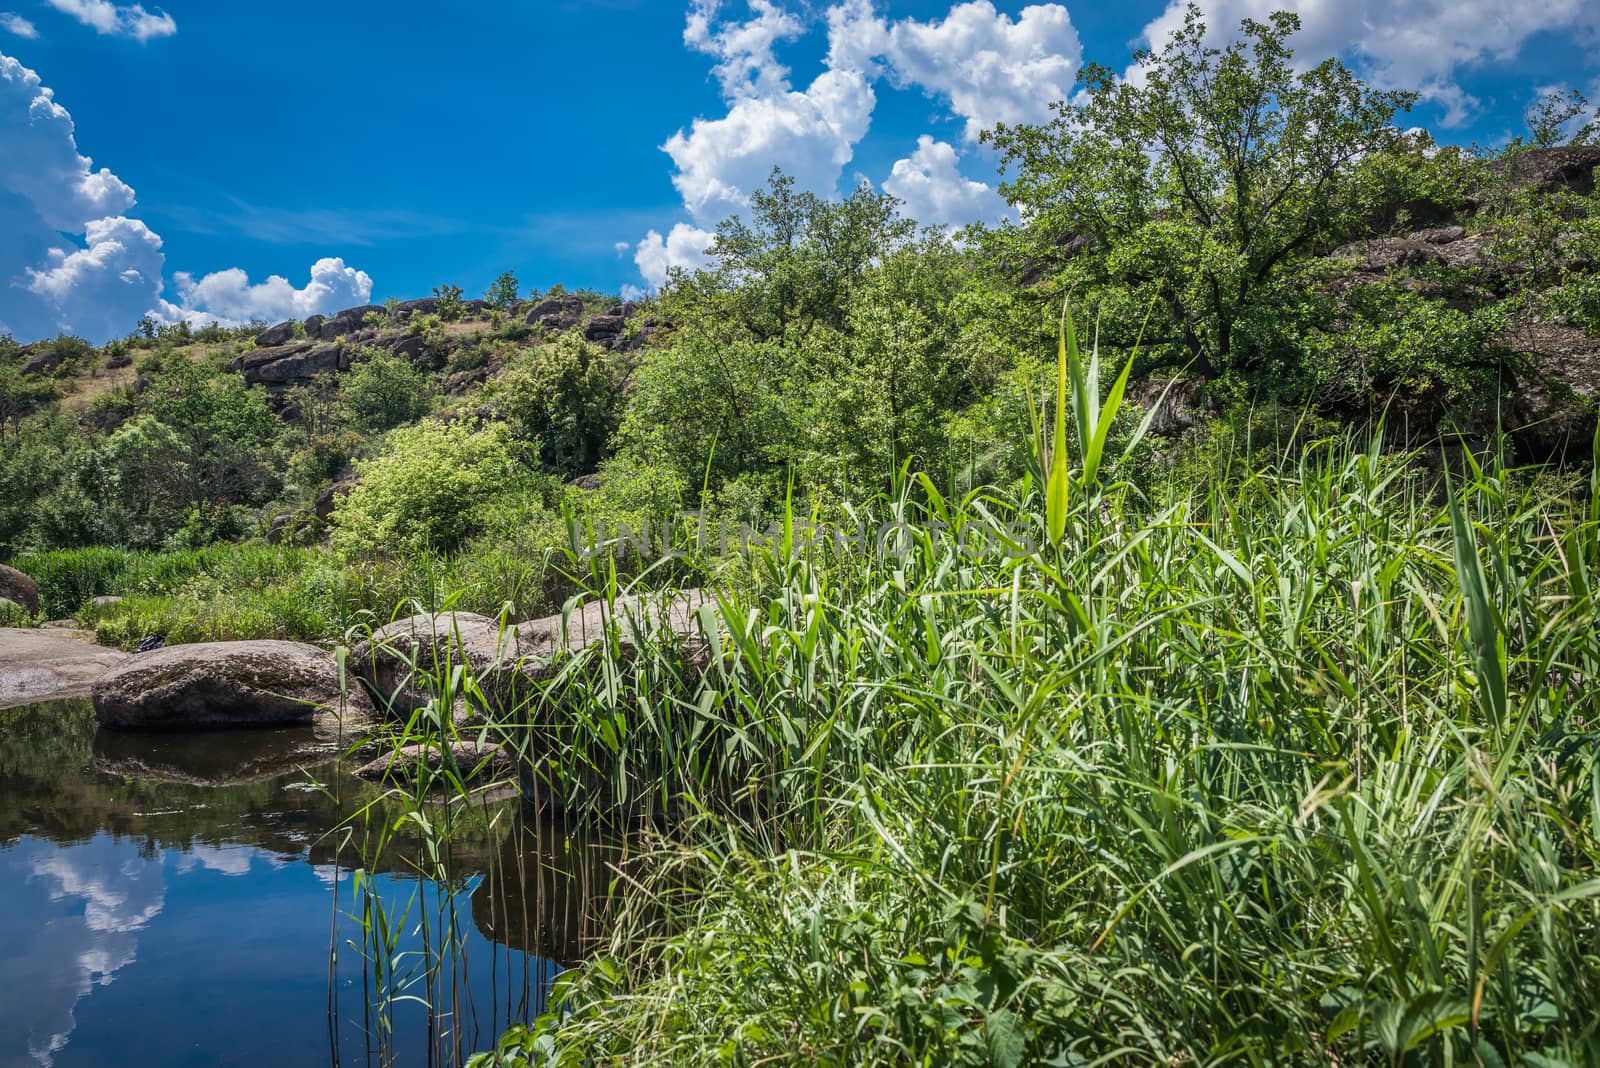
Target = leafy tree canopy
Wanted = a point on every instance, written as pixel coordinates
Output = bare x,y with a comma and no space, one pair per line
1191,185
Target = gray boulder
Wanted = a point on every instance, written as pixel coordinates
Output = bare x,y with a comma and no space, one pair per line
604,327
509,663
329,496
556,313
50,665
15,586
347,322
1556,388
479,763
42,363
397,659
249,361
421,306
1564,169
1389,253
298,367
281,334
229,684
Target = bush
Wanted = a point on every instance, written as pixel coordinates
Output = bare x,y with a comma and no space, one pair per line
564,399
383,391
13,614
427,491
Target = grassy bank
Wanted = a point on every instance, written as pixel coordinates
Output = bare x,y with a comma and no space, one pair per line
1294,761
246,591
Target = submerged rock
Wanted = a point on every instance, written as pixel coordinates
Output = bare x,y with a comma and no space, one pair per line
228,684
478,763
15,586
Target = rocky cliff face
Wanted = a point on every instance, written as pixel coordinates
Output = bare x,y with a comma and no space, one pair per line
293,353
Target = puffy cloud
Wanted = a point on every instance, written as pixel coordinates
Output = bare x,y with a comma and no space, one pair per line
1399,44
11,22
101,286
685,246
811,134
936,193
230,298
48,188
989,67
42,163
115,20
101,290
748,66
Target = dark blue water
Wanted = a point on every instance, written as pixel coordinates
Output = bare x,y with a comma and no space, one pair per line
192,900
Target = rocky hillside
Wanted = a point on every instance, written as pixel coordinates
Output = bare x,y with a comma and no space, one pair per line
293,353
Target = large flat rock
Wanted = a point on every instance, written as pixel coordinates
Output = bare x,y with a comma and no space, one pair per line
229,684
41,665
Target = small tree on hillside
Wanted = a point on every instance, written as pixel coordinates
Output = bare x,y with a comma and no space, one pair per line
503,294
1195,183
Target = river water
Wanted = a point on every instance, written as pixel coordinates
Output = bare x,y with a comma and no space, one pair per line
238,898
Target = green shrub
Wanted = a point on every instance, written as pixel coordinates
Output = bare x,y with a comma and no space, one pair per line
565,400
13,614
383,391
427,491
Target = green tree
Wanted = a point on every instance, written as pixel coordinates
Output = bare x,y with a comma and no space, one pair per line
790,267
224,433
504,293
450,306
427,491
20,396
1558,118
565,399
1194,187
383,391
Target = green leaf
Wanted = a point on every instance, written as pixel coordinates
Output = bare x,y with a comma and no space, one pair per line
1006,1040
1057,483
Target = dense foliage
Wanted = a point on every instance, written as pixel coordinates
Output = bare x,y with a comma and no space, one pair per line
1178,722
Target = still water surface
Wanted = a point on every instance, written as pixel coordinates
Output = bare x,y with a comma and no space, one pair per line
172,900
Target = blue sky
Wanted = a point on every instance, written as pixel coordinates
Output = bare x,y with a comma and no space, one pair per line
358,150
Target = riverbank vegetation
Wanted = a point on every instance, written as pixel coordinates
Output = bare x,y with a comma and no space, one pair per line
1220,689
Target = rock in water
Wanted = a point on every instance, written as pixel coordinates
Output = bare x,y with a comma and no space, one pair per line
398,657
15,586
477,762
228,684
39,665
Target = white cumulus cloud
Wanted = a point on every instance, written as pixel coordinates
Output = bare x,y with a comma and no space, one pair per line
99,281
936,193
747,65
118,20
1400,44
985,66
42,163
101,290
684,246
990,67
11,22
230,298
810,133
